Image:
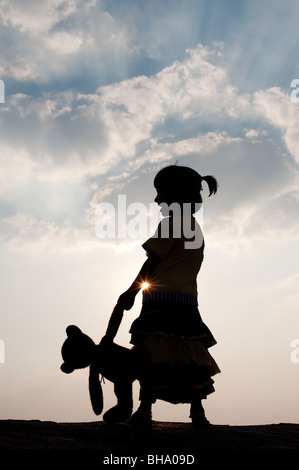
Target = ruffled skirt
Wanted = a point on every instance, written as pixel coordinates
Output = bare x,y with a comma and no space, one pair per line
173,341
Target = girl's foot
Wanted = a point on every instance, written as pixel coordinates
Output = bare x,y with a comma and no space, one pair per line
197,414
141,419
117,414
199,420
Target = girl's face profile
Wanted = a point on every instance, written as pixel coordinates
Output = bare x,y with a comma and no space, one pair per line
163,197
159,197
165,200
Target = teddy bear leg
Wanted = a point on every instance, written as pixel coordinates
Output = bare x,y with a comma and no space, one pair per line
123,410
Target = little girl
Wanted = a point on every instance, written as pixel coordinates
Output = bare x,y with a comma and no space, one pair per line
169,333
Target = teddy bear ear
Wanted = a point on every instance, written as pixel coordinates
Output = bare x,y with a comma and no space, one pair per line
67,368
73,330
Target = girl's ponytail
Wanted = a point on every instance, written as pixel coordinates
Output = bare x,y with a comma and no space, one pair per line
183,183
212,183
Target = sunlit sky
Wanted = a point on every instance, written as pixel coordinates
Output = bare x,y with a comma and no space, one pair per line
99,95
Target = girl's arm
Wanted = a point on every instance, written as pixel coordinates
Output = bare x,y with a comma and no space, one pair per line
126,300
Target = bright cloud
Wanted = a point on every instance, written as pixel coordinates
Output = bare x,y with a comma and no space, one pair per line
76,138
30,236
38,16
275,106
64,43
16,167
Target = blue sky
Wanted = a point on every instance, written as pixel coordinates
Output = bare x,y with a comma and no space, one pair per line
99,95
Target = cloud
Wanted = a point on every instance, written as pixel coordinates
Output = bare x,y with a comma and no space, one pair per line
36,17
28,235
143,50
90,132
104,141
16,167
276,107
63,42
54,42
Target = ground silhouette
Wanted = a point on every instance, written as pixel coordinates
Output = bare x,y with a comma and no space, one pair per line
102,441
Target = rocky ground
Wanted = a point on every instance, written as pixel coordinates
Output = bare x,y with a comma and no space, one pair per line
116,444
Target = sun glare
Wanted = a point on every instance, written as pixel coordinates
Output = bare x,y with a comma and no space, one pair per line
145,285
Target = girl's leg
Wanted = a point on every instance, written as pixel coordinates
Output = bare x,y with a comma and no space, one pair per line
123,410
196,407
197,413
146,405
143,416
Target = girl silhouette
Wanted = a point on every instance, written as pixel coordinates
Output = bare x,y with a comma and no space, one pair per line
169,333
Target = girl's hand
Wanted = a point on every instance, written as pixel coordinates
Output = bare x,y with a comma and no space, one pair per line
127,299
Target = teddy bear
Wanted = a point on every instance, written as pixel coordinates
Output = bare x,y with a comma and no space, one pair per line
116,363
